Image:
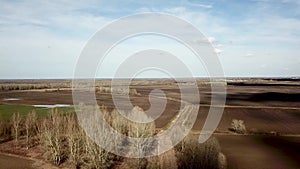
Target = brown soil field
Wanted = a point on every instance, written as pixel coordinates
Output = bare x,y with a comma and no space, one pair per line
265,107
260,110
267,152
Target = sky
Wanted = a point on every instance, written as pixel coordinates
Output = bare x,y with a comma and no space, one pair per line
44,39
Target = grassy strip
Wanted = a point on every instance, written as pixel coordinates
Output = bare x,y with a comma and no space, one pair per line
6,111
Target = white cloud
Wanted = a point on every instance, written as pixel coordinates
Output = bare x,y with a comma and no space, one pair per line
176,10
263,66
211,41
201,5
249,55
208,40
143,10
50,36
49,16
219,46
218,51
26,32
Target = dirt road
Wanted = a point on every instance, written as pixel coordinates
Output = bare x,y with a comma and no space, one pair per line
11,162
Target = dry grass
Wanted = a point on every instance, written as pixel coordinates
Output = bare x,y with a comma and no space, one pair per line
191,154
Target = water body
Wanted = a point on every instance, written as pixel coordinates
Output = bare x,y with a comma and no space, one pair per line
51,106
11,99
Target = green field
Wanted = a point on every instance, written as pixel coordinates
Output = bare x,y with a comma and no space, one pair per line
6,111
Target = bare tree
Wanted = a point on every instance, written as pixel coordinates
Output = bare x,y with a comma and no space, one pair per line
96,156
76,141
141,130
16,120
30,123
52,137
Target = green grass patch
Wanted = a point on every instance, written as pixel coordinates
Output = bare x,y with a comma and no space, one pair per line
6,111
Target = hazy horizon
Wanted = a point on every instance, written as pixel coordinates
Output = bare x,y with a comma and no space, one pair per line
154,78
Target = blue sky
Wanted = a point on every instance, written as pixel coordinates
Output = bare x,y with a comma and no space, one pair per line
43,39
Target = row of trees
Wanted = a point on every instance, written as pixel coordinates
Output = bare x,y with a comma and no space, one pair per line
117,90
30,86
63,141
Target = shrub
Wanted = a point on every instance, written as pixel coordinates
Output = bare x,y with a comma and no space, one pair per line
119,122
191,154
238,126
167,160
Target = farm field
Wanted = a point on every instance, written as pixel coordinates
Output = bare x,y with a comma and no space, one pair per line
270,110
268,152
